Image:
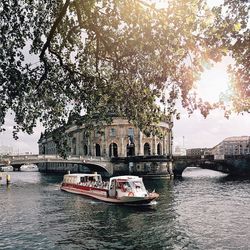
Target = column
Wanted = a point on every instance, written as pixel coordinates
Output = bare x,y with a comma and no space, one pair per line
122,147
104,146
164,150
140,146
78,143
154,145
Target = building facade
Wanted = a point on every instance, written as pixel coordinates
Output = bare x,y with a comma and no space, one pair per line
236,145
118,139
198,151
179,151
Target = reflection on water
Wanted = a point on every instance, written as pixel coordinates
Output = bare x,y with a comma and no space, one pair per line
193,172
202,210
26,168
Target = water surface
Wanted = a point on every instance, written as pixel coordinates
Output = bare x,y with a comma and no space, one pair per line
203,210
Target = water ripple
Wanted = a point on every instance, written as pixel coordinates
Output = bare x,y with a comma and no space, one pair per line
203,210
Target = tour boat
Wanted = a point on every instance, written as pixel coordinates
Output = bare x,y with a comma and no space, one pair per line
126,189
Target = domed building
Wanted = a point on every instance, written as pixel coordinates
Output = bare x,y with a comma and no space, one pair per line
120,141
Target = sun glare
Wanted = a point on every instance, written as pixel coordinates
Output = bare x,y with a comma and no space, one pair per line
213,83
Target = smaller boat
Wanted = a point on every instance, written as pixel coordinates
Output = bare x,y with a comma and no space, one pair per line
6,168
29,168
125,189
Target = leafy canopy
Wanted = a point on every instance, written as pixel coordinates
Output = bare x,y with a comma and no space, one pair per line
98,56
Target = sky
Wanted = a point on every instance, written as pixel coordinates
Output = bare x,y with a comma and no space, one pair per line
190,131
196,131
25,143
201,132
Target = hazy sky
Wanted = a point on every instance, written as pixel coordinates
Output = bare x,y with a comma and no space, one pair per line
201,132
197,131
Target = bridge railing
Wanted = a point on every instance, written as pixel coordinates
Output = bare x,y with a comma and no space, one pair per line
80,157
12,158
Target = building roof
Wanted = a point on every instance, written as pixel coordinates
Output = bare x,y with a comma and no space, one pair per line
237,138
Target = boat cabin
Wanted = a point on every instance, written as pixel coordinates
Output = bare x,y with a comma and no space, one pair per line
129,185
81,178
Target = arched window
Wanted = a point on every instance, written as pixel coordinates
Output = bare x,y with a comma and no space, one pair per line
130,149
147,150
43,149
74,146
113,150
85,149
159,149
97,150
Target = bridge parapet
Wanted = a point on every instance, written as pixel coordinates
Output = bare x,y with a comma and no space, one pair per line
193,157
19,160
13,158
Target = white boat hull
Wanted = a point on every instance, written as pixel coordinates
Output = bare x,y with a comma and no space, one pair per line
102,195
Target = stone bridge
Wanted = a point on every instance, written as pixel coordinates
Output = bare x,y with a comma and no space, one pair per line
55,163
236,165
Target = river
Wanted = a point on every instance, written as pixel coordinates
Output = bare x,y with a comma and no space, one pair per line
203,210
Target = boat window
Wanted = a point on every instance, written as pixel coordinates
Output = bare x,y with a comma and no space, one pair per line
137,183
119,184
126,185
83,179
112,184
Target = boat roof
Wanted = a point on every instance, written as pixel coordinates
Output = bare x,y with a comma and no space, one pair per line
82,175
125,177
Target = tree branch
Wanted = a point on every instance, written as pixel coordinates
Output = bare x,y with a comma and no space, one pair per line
49,38
53,29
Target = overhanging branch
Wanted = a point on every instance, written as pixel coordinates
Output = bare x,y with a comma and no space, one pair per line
49,38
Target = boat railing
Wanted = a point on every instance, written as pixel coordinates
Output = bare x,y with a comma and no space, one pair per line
97,184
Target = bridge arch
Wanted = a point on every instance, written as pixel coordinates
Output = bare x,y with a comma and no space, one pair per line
182,162
98,168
